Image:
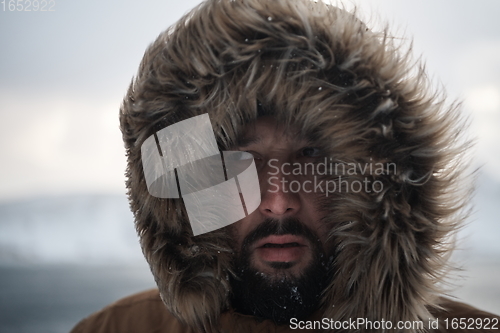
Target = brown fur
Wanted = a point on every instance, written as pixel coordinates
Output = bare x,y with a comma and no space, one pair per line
352,89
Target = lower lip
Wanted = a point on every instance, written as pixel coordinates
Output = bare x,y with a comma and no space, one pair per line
279,254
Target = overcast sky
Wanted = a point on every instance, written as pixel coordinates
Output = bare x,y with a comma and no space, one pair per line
63,75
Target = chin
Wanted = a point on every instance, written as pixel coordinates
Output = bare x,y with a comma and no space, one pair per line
279,290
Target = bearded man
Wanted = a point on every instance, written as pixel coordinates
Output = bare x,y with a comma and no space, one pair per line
358,166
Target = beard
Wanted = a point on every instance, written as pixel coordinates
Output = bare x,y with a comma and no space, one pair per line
279,296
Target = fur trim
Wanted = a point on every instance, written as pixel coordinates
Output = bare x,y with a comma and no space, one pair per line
352,89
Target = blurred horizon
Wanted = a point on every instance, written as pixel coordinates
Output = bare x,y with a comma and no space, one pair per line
98,228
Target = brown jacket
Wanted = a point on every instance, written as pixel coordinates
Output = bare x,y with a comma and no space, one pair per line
146,313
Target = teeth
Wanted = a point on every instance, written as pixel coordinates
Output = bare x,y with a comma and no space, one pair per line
272,245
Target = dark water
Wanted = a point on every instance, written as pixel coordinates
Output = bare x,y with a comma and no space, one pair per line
52,299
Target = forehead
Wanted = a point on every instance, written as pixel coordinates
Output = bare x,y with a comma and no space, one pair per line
267,130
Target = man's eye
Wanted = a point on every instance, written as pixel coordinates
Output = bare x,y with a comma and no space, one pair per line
256,156
310,152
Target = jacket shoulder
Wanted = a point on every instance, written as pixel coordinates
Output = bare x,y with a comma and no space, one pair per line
455,316
142,312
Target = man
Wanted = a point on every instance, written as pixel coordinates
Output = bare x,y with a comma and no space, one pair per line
358,167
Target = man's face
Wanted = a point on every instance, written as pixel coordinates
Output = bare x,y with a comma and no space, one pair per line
282,246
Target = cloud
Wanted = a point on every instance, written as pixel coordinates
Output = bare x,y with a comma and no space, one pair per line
53,143
484,99
477,71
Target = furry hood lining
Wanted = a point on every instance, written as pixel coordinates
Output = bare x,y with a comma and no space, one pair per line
360,97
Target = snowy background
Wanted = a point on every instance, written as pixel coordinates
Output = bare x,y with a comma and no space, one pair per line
66,232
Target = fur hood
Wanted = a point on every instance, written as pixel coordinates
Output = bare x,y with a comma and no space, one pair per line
363,100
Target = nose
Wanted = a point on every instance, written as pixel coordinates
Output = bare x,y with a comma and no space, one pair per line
277,199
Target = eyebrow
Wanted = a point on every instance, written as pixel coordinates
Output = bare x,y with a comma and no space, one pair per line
247,141
310,139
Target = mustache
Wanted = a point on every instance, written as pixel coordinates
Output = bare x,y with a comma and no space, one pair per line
269,227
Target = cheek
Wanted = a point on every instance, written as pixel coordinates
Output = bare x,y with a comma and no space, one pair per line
315,215
237,231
